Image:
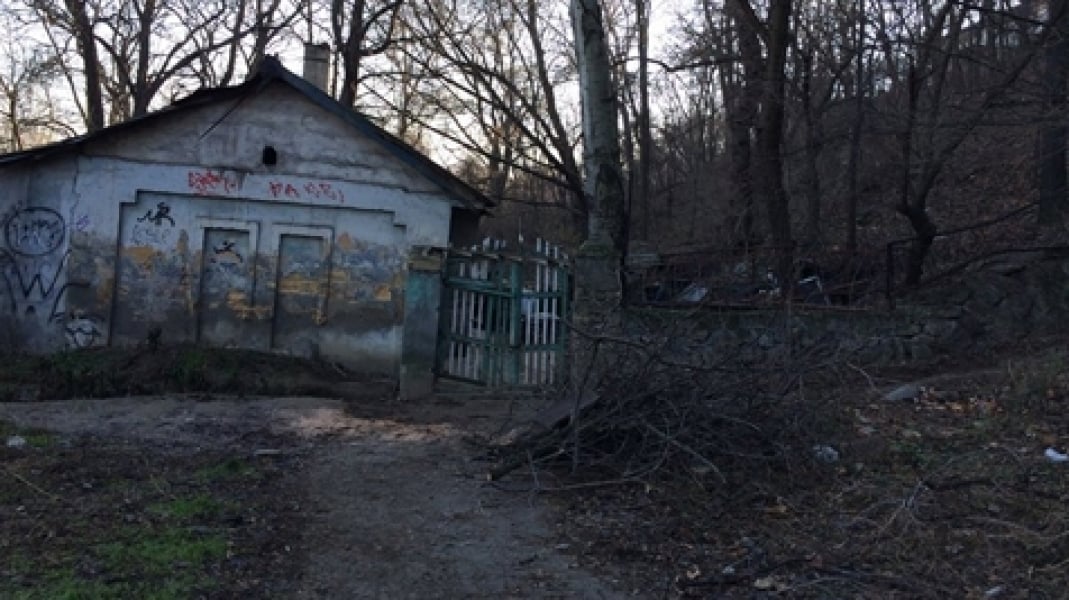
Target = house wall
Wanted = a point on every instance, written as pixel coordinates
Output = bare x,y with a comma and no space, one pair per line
139,236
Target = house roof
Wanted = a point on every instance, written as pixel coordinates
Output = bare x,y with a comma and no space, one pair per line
271,70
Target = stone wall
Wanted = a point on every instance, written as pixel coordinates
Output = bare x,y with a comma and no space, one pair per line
992,307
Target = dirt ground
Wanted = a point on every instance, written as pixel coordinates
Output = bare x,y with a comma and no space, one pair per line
264,492
361,498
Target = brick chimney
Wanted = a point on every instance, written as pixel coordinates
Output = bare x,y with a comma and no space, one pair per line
317,64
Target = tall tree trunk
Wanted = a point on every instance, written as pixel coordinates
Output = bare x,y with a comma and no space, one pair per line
813,143
645,135
87,48
601,140
771,140
351,51
913,202
146,15
741,103
1052,138
854,165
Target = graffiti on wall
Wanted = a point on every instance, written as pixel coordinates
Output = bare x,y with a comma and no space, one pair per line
33,263
226,267
34,231
207,182
308,190
149,229
83,331
163,211
226,251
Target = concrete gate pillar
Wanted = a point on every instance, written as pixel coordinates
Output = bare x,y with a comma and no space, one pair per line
419,340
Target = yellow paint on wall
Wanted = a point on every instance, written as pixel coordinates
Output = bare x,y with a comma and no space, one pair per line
238,302
236,299
103,291
141,254
345,242
383,293
300,285
340,276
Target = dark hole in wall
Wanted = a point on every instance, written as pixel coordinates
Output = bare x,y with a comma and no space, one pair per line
270,156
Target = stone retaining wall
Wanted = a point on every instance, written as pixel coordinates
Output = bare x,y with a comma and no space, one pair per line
989,308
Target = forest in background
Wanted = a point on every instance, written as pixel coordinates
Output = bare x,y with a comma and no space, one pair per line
812,128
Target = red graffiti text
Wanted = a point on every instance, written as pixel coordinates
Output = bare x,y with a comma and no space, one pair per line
208,182
307,190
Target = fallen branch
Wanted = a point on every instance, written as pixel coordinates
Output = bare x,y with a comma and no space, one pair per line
31,485
691,451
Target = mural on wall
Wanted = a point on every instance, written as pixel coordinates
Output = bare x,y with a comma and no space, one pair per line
33,282
301,292
373,269
155,282
226,287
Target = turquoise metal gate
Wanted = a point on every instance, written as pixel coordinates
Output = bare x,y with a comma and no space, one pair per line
502,316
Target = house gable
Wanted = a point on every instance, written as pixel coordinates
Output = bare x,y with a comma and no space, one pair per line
233,133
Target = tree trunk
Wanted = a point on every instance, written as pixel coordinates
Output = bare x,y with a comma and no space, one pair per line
1053,136
854,165
813,143
741,103
771,141
94,97
351,52
645,135
604,184
141,93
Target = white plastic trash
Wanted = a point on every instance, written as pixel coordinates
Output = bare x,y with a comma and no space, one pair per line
1055,456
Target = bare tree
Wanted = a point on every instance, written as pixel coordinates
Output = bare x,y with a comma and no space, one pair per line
131,52
28,115
361,29
601,140
496,68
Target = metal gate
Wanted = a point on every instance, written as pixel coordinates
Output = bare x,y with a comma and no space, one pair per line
503,315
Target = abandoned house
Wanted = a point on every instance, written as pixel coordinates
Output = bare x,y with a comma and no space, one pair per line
264,216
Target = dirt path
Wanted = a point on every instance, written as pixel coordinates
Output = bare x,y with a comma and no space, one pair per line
394,507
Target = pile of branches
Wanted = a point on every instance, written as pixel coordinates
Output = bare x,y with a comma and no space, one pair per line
672,404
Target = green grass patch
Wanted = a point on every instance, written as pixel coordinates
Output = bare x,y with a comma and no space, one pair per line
233,468
65,585
160,554
201,505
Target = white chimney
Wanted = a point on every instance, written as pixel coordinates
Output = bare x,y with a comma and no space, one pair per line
317,64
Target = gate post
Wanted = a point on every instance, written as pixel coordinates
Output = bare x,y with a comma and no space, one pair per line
419,338
596,311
